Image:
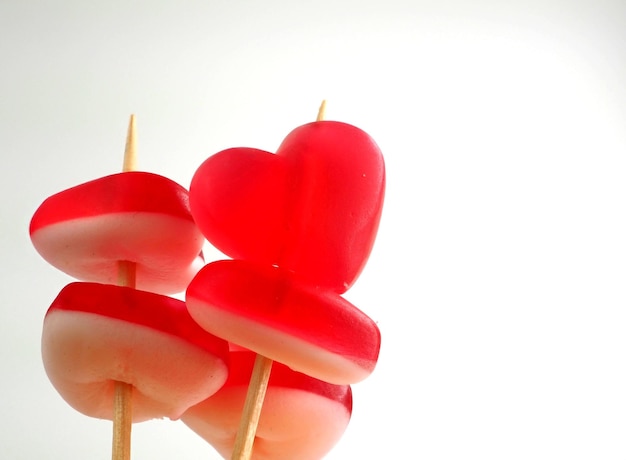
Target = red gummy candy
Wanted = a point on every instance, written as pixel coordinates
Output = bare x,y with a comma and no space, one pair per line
261,308
313,208
97,334
86,230
302,417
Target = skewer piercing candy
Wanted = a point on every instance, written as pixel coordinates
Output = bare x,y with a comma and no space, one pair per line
107,348
95,335
301,224
259,307
139,217
304,221
302,418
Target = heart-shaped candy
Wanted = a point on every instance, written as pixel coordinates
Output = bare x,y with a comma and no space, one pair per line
302,417
260,307
97,334
313,208
138,217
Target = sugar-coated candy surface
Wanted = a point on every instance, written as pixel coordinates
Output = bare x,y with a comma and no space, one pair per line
313,208
262,308
302,417
132,216
96,334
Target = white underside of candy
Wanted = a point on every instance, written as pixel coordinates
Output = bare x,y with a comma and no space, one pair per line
85,353
166,249
294,424
294,352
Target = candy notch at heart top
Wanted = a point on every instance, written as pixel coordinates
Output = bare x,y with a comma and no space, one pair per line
313,208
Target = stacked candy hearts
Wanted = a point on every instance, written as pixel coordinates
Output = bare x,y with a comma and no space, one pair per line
134,229
302,417
299,226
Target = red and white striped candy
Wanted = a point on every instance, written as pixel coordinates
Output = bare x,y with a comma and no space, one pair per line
316,332
133,216
302,417
97,334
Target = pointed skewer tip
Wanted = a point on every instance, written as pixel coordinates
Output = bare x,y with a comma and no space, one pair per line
321,114
130,151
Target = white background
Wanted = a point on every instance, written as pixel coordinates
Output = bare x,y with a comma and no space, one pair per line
498,276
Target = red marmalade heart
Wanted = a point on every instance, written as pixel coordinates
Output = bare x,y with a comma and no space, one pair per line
312,208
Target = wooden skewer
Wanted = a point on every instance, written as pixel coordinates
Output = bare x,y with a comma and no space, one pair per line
321,113
122,399
122,421
244,440
130,152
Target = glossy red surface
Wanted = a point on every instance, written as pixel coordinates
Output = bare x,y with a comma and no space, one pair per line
137,217
132,191
312,208
142,308
263,308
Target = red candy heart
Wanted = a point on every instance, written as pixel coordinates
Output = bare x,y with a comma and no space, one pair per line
313,331
138,217
313,208
95,335
302,417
